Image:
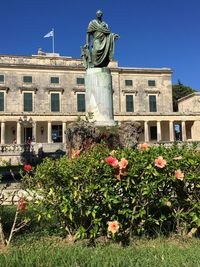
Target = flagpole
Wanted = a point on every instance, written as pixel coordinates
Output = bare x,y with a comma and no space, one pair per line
53,41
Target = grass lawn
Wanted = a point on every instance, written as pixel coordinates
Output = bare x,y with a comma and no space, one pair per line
56,252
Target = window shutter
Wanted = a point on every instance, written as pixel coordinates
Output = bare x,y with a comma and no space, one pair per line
151,83
80,81
1,78
55,102
28,102
81,102
54,79
27,79
128,82
152,103
1,101
129,103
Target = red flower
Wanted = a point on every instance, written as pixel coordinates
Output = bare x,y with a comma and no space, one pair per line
22,204
27,167
112,161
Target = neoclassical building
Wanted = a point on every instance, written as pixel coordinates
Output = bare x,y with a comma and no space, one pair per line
41,94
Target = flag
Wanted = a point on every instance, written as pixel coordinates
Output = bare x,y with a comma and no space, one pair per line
50,34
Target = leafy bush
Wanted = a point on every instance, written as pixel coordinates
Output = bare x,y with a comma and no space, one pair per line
158,191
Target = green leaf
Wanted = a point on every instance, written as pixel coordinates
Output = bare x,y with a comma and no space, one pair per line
70,215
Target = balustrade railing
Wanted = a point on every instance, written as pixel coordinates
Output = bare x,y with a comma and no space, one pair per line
14,148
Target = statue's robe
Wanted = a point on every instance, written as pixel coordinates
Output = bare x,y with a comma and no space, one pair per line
102,43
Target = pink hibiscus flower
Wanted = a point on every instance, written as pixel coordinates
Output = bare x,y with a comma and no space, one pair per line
113,227
144,146
179,175
160,162
123,163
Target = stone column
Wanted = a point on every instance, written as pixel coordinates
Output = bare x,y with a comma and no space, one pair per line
64,132
171,131
19,130
3,132
183,131
49,133
146,131
159,137
34,130
99,96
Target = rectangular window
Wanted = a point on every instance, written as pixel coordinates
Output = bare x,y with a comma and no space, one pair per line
129,103
151,83
28,102
81,102
128,82
55,102
1,78
152,103
27,79
55,80
80,81
1,101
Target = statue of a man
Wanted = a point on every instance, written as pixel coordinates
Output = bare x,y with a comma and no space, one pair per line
102,51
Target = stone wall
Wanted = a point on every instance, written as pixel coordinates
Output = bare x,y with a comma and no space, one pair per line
190,103
41,68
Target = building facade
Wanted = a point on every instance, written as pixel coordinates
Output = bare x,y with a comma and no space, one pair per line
40,95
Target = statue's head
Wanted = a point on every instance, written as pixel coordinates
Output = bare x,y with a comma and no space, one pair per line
99,14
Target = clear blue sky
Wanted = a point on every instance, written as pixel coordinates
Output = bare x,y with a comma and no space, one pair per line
153,33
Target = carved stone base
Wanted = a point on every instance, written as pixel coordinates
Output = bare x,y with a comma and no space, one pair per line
81,136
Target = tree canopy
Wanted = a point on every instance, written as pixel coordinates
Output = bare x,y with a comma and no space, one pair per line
178,91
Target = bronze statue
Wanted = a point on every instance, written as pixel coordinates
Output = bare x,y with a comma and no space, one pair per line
102,43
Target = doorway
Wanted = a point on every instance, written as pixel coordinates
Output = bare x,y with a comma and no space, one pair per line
27,134
153,132
57,133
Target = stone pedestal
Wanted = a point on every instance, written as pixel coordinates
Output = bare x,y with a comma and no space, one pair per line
82,136
99,96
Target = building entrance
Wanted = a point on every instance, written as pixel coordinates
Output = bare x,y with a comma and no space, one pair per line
27,134
153,132
57,133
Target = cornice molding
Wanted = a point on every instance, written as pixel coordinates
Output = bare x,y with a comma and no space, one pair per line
127,91
55,89
4,88
27,88
80,89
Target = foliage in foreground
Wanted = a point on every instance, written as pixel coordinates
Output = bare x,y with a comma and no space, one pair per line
49,253
158,191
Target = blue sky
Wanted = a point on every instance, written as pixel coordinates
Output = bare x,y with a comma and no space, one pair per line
153,33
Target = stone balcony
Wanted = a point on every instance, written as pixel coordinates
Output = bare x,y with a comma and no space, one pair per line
14,154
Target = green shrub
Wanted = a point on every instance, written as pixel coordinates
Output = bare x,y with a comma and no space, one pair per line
86,193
